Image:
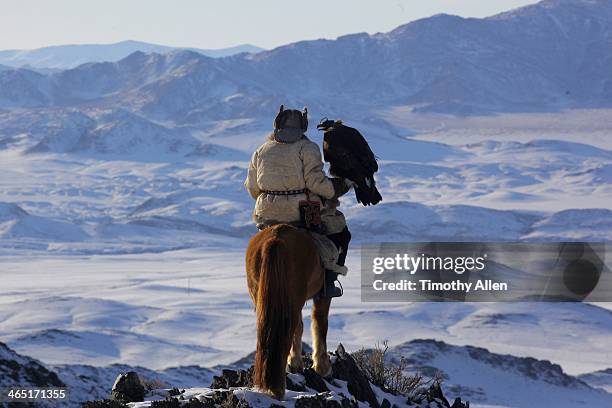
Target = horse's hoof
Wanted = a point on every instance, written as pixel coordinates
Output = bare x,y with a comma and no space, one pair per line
323,372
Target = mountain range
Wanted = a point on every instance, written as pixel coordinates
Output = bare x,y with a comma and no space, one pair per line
60,57
552,55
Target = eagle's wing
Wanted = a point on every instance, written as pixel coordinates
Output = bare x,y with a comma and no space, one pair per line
340,158
360,150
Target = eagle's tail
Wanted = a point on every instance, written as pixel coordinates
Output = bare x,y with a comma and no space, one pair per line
367,193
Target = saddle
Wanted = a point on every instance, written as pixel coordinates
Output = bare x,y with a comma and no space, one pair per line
328,252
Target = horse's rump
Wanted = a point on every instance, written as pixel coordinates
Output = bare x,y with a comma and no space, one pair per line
283,271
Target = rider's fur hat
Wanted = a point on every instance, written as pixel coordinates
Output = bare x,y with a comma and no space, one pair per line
290,125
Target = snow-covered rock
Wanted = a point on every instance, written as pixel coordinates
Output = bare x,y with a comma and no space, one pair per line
348,387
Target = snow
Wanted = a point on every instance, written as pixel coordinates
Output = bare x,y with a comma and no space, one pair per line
151,248
16,224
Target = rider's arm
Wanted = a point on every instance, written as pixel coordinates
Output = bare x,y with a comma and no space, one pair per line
314,176
251,181
341,186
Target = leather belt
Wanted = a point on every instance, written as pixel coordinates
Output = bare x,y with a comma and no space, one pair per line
286,193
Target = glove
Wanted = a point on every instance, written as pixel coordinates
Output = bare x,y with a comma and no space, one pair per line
341,186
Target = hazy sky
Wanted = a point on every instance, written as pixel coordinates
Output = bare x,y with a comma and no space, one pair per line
216,23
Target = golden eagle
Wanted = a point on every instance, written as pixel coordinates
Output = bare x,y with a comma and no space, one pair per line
349,156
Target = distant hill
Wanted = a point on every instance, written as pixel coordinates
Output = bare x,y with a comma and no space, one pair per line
70,56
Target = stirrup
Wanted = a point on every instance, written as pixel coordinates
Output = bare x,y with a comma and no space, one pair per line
329,289
333,291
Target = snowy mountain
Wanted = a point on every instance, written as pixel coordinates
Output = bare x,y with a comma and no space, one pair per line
499,376
549,56
70,56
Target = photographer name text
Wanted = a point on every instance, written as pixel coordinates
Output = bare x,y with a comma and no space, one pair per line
427,285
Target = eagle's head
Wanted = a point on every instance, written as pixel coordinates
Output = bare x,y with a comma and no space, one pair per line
326,124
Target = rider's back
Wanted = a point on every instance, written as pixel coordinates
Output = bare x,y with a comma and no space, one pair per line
286,167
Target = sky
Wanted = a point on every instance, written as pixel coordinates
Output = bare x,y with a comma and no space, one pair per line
216,23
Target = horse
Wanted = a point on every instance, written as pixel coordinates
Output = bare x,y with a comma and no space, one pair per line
284,271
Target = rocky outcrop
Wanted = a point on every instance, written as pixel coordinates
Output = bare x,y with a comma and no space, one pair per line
22,371
348,387
17,370
128,387
345,368
233,378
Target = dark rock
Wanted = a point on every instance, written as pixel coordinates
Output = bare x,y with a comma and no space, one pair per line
128,387
435,393
345,368
176,403
314,380
192,403
175,391
385,404
233,378
104,404
244,378
18,370
167,403
459,404
293,386
315,401
322,400
222,398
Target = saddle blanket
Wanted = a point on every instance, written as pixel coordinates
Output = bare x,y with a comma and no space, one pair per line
328,253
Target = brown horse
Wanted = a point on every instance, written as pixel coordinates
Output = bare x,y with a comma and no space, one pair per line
283,272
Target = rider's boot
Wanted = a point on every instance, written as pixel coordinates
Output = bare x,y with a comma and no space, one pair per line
330,290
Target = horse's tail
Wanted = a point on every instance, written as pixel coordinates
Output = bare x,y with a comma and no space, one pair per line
276,319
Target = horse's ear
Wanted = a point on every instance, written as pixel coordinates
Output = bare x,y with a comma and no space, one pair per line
281,109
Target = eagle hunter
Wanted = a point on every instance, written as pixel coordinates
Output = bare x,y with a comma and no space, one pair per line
349,156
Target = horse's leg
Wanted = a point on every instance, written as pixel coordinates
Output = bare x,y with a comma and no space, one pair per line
320,312
294,362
